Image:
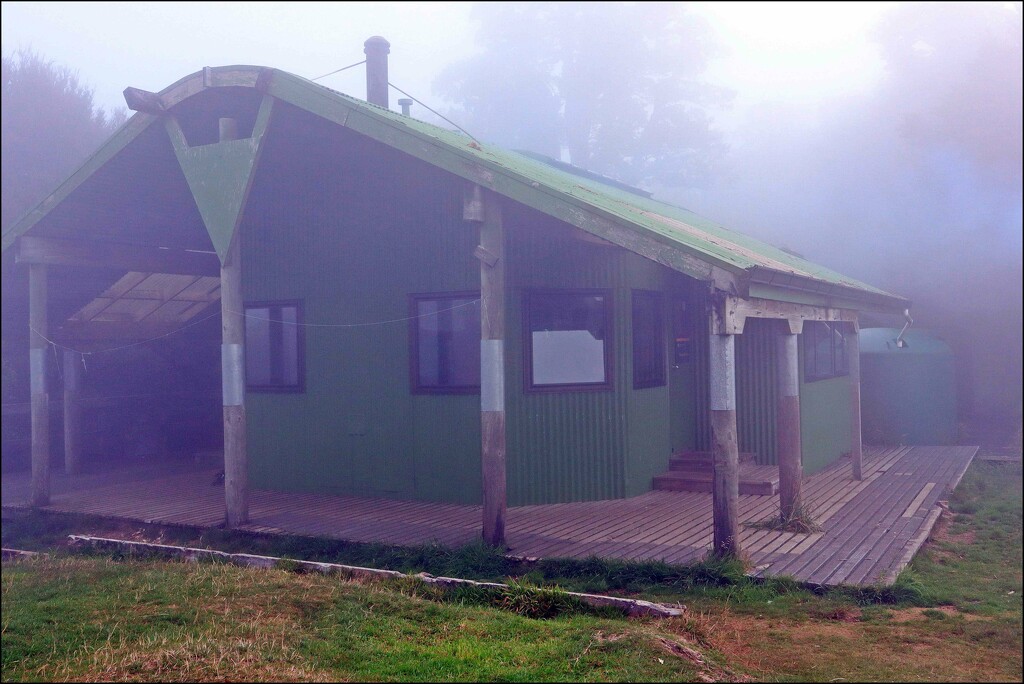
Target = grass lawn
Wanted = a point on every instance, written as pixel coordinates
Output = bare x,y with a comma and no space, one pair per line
955,615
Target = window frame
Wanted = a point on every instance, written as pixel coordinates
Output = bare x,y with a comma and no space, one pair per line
528,307
300,346
810,368
414,343
660,377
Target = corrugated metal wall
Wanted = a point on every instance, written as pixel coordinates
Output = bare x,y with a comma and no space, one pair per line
756,373
351,228
563,446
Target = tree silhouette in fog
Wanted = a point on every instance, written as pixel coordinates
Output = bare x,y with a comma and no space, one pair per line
615,84
49,126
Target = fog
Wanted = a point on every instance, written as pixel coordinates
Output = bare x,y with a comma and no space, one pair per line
881,140
913,185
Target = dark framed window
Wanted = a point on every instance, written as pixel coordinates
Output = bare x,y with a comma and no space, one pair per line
825,351
275,347
567,342
444,343
648,339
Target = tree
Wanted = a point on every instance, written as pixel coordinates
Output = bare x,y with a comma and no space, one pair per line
48,126
613,84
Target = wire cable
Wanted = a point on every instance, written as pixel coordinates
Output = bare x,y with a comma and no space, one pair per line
419,102
338,71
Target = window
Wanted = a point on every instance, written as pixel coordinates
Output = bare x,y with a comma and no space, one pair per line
274,347
648,340
825,354
444,337
567,342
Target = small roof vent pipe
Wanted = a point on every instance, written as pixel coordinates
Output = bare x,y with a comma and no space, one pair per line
405,103
377,50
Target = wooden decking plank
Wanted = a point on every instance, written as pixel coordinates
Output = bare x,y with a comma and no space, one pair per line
840,531
862,543
870,527
887,549
852,531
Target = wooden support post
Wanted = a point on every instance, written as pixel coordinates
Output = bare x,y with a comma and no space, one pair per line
492,363
791,467
38,350
72,413
725,444
856,444
236,459
236,466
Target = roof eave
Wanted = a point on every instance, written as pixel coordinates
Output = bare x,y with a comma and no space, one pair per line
863,299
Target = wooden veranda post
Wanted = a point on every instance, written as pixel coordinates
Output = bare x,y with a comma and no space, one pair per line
236,462
791,468
38,332
485,209
72,413
856,444
724,441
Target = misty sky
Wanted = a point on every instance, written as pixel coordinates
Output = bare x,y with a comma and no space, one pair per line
799,53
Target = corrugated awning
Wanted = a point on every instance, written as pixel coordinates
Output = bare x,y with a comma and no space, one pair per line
141,304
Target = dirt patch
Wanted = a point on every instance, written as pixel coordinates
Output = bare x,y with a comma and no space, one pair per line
909,614
943,534
706,672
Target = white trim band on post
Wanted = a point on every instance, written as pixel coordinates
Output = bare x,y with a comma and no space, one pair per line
789,372
37,370
723,372
232,369
492,375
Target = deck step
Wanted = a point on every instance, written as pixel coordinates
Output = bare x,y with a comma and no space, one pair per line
761,484
701,460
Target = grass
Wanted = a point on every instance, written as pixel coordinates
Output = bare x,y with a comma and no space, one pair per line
165,621
955,614
801,520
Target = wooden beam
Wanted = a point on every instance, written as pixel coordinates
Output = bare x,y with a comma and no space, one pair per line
738,309
724,439
38,355
145,259
492,370
856,440
791,468
72,413
139,100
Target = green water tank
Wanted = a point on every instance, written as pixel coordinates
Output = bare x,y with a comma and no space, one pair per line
908,393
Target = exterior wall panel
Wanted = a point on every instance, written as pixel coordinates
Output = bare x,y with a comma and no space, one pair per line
824,419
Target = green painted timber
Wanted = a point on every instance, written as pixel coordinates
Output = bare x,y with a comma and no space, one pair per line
220,175
824,419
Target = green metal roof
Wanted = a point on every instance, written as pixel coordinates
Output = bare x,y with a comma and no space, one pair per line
670,235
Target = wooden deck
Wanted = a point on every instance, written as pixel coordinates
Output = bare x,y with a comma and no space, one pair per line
870,529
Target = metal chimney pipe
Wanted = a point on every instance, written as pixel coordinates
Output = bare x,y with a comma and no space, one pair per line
405,103
376,50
